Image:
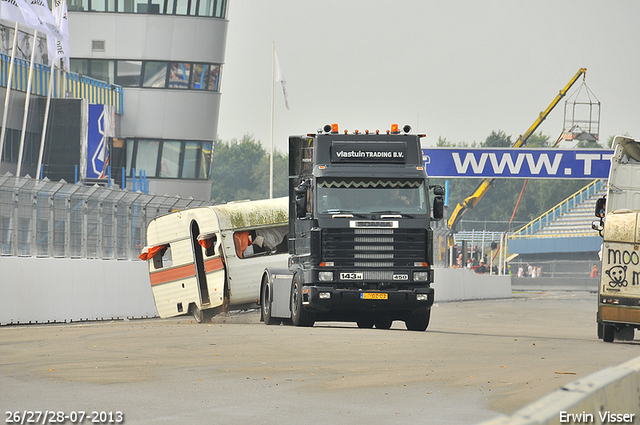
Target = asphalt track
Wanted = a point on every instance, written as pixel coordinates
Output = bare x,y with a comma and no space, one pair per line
477,360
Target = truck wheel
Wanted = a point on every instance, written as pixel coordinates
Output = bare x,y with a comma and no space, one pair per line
418,321
266,305
365,322
383,323
609,332
626,333
299,316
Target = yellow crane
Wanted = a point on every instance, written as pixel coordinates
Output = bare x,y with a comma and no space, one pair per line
473,199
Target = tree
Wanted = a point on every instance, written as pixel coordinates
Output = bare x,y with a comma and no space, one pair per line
240,171
538,141
497,140
443,142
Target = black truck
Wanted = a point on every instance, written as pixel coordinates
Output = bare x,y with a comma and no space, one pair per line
360,238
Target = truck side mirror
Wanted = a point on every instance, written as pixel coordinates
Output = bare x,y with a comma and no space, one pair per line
438,190
600,206
598,225
438,208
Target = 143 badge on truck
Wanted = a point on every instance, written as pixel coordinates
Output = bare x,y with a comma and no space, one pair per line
351,276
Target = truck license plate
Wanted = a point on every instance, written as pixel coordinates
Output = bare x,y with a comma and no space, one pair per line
351,276
374,296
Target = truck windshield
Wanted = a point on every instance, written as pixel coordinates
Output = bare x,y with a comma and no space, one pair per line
365,196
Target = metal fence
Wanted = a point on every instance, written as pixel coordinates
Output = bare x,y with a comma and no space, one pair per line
41,218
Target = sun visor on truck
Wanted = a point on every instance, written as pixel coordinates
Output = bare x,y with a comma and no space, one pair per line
374,152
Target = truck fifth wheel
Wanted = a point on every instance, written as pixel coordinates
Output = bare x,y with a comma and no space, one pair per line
360,237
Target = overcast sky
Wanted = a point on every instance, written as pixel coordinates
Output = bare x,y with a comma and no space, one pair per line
452,69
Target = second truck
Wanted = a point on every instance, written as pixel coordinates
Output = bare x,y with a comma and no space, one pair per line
360,237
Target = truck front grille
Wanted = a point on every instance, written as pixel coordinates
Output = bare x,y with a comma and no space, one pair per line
374,247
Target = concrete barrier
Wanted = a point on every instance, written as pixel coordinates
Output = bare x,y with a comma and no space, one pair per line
62,290
554,284
49,290
611,395
465,284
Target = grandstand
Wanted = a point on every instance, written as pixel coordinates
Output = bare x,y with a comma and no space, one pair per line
562,238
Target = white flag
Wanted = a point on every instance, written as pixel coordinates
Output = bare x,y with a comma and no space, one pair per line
18,11
59,48
280,78
48,24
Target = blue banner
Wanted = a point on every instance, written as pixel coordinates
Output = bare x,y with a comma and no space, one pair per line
518,163
99,131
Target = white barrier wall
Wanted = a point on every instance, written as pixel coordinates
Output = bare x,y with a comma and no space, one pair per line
46,290
465,284
49,290
611,395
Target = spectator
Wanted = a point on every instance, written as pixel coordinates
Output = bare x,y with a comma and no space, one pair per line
481,269
594,271
520,271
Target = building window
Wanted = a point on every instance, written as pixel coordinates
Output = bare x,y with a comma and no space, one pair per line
179,75
146,157
169,159
155,74
151,74
205,8
128,73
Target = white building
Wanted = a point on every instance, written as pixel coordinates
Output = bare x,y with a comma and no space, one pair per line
167,55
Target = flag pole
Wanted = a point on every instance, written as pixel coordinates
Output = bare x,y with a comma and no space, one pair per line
26,104
273,56
7,93
46,120
52,62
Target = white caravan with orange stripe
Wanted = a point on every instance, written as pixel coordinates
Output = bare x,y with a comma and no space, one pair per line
208,259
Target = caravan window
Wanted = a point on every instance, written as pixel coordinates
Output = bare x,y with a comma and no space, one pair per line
208,242
163,258
263,241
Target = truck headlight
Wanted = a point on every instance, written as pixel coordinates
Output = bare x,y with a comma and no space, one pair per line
420,276
325,276
422,297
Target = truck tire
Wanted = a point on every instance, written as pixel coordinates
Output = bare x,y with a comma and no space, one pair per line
418,321
609,332
266,305
299,316
365,322
383,322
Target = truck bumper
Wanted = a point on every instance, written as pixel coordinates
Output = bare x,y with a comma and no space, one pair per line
325,299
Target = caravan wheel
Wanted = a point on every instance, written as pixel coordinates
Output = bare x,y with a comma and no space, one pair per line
198,315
